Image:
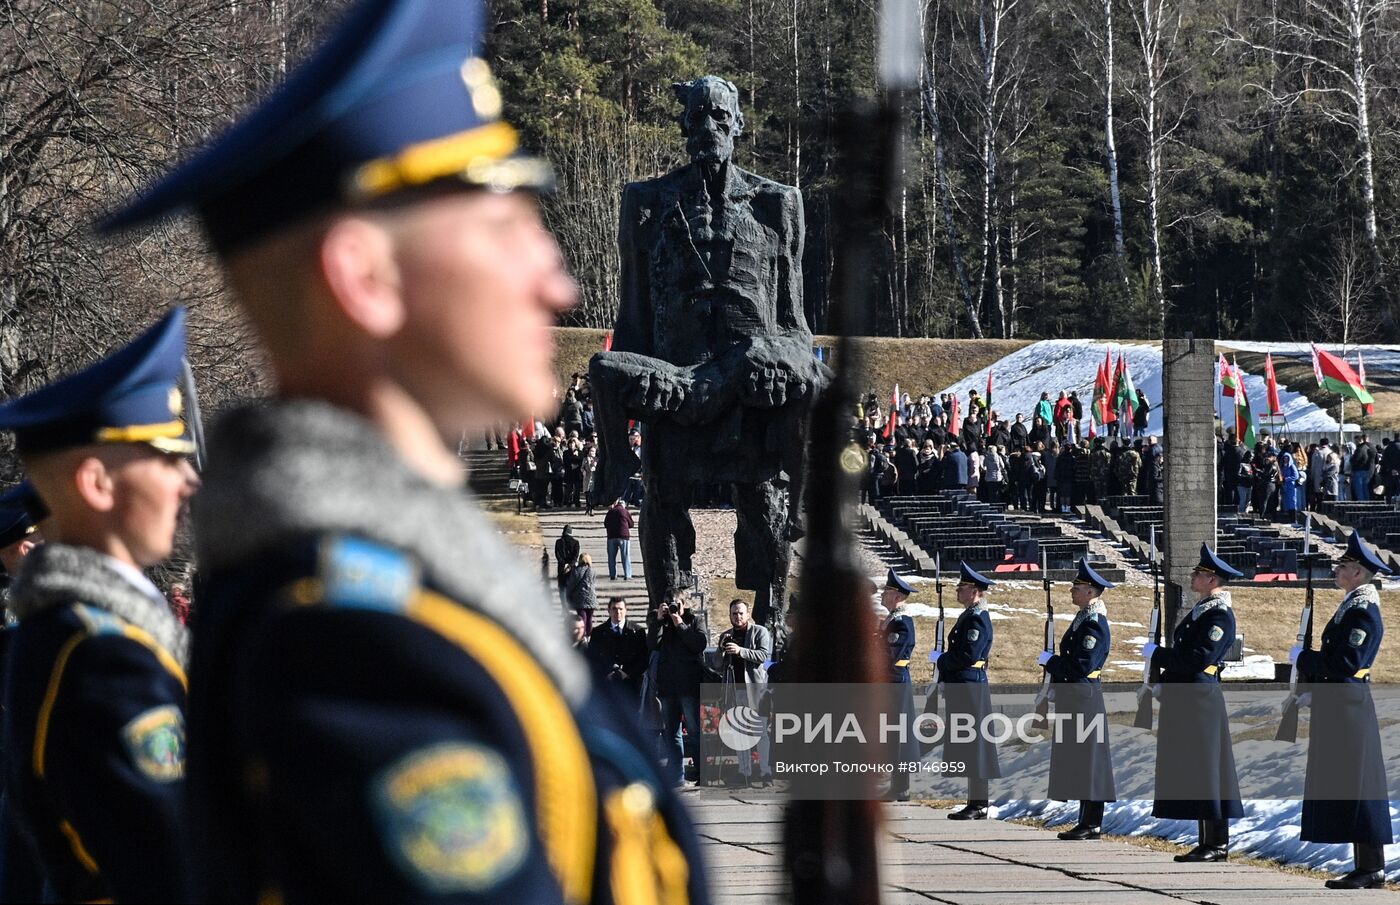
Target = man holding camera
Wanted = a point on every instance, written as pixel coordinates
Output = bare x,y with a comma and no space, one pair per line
680,643
747,648
619,650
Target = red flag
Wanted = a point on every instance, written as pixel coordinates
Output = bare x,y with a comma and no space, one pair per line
989,403
528,428
1271,385
607,341
957,416
892,425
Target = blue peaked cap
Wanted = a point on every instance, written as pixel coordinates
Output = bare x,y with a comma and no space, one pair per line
21,510
1359,552
397,97
1215,565
968,575
131,396
1087,575
894,583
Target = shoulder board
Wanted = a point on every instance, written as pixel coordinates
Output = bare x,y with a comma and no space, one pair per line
1093,617
355,573
98,622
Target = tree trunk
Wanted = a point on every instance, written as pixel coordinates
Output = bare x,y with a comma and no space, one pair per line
988,35
1363,129
944,190
1111,149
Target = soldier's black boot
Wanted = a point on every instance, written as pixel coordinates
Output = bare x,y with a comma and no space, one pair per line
1370,869
1214,836
1090,818
976,807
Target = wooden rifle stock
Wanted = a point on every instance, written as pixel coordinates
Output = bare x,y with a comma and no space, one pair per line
1042,699
1288,724
1151,674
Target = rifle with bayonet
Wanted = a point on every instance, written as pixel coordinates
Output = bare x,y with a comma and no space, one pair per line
831,846
1288,725
1042,698
1150,674
932,704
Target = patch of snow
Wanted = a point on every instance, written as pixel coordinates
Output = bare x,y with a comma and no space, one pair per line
1060,364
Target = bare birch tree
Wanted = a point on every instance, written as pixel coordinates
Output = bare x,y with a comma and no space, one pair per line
1330,42
1157,24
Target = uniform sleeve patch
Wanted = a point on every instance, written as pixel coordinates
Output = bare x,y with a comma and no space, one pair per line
1357,637
453,818
973,634
156,742
1090,642
1216,633
358,574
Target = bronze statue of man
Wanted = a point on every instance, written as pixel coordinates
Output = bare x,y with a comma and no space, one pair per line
712,353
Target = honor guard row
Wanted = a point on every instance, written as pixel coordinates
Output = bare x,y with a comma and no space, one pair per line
1186,678
379,708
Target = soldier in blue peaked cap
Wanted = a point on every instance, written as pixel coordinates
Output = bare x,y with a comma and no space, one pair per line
384,708
899,638
1205,787
1345,793
94,700
963,668
1081,764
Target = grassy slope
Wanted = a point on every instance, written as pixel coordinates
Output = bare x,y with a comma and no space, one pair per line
917,365
1297,375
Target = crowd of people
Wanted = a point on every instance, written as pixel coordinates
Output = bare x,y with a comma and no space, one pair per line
1279,479
1048,464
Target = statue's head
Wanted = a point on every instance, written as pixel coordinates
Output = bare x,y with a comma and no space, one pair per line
711,119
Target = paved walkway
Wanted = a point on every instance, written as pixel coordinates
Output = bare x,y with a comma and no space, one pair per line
933,859
593,540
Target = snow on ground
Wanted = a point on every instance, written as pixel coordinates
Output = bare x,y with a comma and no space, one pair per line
1060,364
1272,771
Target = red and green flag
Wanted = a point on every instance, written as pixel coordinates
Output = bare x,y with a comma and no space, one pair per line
1271,385
1334,375
1226,376
1124,393
1244,415
1102,409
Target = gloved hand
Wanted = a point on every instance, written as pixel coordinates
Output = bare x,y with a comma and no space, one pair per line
933,655
1044,658
1293,653
1148,650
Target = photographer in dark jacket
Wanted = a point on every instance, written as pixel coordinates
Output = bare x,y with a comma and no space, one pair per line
680,643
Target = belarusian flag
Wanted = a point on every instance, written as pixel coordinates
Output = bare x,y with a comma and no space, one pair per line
607,341
1102,413
1336,376
1125,398
954,423
1244,416
1226,377
893,424
1361,373
1271,385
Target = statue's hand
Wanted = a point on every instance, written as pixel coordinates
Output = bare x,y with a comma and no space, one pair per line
771,385
657,393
